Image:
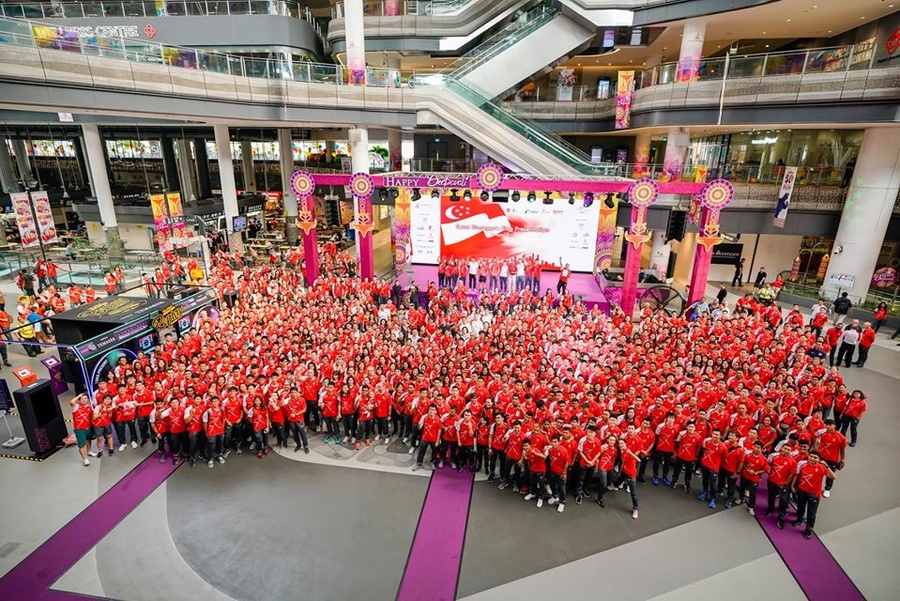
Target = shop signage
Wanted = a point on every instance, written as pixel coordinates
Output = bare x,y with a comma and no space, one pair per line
842,280
893,42
167,318
766,140
106,31
727,254
884,277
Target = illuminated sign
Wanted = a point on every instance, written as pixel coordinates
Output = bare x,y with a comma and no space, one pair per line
107,31
764,140
167,318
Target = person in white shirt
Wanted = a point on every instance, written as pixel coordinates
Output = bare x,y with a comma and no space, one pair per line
520,275
848,343
504,277
473,273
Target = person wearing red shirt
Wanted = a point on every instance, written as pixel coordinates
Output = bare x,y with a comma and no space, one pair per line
124,414
687,446
214,426
82,412
465,442
160,427
866,340
430,426
102,420
193,416
143,399
234,416
853,411
647,439
276,417
808,486
586,454
382,402
558,461
259,421
514,439
295,411
606,460
755,465
482,436
537,467
781,474
629,469
328,405
664,453
497,446
713,454
348,414
831,446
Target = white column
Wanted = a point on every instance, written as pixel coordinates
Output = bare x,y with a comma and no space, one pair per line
8,180
93,146
677,144
356,41
641,154
25,171
866,214
359,147
287,169
659,254
226,179
393,65
395,150
691,51
247,166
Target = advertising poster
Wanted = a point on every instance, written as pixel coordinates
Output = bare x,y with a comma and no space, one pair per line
784,196
624,97
161,221
45,223
400,232
28,231
176,219
566,85
462,229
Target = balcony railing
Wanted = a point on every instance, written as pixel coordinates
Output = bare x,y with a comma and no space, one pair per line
106,8
405,8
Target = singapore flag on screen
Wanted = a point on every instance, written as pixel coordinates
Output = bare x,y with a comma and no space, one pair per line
466,224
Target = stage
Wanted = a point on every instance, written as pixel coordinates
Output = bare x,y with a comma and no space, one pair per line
582,286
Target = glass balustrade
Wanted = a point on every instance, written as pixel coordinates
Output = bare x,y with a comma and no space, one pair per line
406,8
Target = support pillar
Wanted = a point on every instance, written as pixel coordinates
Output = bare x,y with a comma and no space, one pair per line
170,165
635,240
395,150
204,188
691,51
229,190
25,172
702,260
249,176
286,153
641,155
393,65
310,238
866,214
78,143
677,144
359,161
93,146
356,42
186,174
8,181
659,254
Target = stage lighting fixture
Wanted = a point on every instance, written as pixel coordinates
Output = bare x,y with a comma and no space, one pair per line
383,195
571,198
532,197
547,200
608,201
485,196
516,196
467,195
435,193
416,195
454,197
588,199
622,196
395,193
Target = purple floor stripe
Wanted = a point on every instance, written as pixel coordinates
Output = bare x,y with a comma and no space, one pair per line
31,579
817,572
432,570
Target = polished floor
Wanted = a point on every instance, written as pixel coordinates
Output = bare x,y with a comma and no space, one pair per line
337,525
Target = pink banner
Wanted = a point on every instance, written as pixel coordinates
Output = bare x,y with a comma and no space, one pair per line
624,97
28,231
400,234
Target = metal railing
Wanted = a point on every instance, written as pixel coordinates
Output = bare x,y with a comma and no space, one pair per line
444,165
51,10
406,8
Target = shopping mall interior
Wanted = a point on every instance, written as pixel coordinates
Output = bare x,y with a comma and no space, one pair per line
120,118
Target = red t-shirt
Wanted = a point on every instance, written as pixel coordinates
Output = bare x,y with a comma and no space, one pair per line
830,446
754,463
688,446
536,463
713,454
81,417
810,478
559,460
431,428
780,468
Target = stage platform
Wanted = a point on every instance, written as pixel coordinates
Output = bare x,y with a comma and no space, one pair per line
582,286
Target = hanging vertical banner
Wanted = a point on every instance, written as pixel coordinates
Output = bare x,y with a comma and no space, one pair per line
28,232
400,230
176,219
45,223
160,221
784,196
606,233
566,85
624,97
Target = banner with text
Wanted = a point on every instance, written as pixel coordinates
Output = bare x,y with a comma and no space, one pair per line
784,196
473,228
624,97
46,225
28,232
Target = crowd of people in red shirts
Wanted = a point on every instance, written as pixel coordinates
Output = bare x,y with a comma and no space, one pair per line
514,274
552,402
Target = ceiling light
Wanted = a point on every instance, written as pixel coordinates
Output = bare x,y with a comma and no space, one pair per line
767,45
788,20
862,18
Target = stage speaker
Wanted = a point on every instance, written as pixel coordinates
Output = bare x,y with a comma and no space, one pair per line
42,418
676,226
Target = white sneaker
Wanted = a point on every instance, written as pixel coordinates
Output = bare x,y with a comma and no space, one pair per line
634,514
221,460
87,461
561,508
387,441
552,501
826,494
346,439
751,512
411,449
540,502
133,444
92,454
529,497
548,489
121,447
416,468
209,463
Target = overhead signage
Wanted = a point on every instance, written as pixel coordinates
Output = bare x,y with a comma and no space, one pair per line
766,140
434,180
106,31
112,339
727,254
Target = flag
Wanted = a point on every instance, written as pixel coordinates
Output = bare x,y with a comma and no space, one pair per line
784,196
